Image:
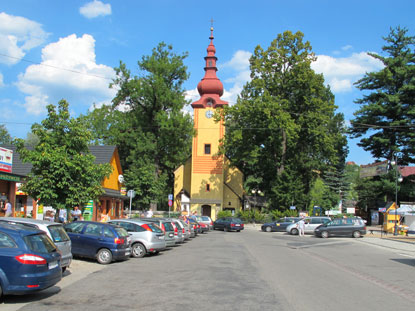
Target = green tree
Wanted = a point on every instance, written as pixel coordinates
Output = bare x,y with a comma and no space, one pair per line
63,173
154,135
5,137
103,123
284,130
385,120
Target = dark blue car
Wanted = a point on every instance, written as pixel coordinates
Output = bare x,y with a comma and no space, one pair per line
101,241
29,261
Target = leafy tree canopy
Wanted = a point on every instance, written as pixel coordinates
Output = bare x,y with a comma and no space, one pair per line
5,137
283,130
63,173
153,133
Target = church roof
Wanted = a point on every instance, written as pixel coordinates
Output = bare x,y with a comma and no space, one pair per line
210,87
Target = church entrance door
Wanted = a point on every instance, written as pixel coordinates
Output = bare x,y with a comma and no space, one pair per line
206,210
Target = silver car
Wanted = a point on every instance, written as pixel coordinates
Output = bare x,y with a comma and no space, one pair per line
146,237
54,230
166,226
178,230
311,223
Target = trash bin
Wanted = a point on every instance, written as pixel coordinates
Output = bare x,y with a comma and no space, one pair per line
87,215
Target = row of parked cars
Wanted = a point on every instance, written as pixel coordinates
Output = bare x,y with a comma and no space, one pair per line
323,227
35,253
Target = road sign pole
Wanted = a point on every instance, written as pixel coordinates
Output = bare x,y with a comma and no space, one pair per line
131,198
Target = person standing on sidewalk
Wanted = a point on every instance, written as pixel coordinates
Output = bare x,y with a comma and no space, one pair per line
76,214
8,212
301,227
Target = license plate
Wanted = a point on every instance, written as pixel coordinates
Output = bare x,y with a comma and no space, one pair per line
53,264
278,225
238,225
161,237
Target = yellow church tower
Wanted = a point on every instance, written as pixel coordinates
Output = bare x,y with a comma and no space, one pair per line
206,184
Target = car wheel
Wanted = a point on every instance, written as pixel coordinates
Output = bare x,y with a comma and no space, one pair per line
63,269
294,231
104,256
324,234
138,250
268,229
1,291
238,230
356,234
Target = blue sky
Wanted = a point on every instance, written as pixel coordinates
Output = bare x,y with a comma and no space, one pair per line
54,49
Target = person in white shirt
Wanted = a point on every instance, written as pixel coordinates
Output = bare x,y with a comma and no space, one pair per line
76,214
149,213
301,227
63,215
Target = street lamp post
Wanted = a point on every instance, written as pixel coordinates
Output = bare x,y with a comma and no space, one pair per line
397,179
254,192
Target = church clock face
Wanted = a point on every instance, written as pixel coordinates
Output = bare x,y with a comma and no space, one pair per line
209,114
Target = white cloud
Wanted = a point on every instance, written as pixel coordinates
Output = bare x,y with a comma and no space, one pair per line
347,47
1,80
68,70
240,75
239,61
341,73
94,9
17,36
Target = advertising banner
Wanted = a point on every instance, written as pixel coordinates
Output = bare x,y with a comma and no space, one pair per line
6,160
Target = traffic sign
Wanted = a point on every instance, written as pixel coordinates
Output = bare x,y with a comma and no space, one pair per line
170,202
131,193
170,197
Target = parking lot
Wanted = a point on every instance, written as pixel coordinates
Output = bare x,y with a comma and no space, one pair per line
248,270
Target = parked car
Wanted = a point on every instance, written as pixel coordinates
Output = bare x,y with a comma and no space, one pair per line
353,227
185,229
29,260
311,223
228,224
167,228
178,231
101,241
205,220
146,237
195,225
203,227
54,230
279,225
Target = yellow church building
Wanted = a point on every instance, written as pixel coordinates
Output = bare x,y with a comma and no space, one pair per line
206,183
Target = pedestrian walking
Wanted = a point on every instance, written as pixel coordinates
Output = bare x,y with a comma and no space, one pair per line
301,227
149,213
8,211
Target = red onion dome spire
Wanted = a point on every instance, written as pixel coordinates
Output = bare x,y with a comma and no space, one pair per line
210,83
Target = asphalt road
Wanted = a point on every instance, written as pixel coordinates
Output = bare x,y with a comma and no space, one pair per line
250,270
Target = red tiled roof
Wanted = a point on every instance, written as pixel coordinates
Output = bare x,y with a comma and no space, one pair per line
407,170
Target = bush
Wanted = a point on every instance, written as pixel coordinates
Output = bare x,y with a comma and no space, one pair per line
223,214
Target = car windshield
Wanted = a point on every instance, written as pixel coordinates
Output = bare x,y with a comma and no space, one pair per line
40,243
154,228
168,226
58,233
121,232
236,220
205,218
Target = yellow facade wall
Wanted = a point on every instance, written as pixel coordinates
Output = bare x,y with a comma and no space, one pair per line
112,181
